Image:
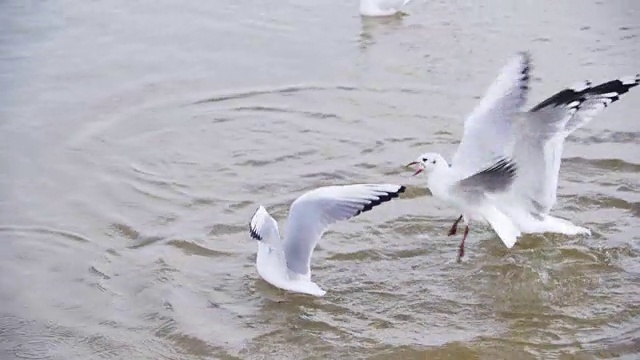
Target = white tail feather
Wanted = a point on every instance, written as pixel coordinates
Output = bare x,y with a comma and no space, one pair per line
503,226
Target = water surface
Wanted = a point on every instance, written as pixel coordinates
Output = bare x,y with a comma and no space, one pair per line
137,138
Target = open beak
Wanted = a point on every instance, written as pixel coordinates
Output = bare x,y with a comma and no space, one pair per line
419,167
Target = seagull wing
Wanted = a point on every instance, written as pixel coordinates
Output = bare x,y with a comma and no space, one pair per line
488,129
312,213
541,133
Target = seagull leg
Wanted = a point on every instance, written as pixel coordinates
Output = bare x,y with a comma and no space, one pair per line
464,237
454,227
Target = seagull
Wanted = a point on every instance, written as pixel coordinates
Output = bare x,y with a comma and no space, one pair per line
286,263
505,169
381,7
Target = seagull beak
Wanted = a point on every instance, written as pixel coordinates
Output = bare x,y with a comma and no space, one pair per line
418,170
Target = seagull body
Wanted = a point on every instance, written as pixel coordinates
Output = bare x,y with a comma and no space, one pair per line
530,141
381,7
474,195
286,263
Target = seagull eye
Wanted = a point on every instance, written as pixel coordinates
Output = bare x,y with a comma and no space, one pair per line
433,162
425,159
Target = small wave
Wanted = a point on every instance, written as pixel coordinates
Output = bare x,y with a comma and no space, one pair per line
128,232
312,114
224,229
289,89
339,175
252,93
294,156
153,178
361,255
620,137
191,248
45,231
602,202
145,241
605,164
124,230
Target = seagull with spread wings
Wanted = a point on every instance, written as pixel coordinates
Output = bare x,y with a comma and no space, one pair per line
505,170
286,263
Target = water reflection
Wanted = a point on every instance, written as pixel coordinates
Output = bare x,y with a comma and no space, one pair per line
373,27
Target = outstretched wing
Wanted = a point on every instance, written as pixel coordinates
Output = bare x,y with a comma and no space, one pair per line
595,99
488,129
264,228
312,213
541,133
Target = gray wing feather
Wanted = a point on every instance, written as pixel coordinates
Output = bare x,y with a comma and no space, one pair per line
495,178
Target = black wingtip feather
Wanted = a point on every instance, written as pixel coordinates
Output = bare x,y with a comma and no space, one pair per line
526,69
252,231
254,234
381,199
567,96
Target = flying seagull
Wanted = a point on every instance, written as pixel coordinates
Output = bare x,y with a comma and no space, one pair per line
505,170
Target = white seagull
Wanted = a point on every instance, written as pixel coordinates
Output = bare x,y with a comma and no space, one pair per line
381,7
505,170
286,263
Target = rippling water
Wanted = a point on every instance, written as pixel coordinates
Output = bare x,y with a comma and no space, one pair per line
138,137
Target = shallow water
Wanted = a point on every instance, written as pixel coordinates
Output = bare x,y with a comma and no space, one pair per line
138,138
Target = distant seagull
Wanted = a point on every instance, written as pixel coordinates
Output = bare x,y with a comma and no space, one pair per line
381,7
286,263
505,169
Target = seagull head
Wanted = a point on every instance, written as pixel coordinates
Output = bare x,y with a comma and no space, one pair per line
427,162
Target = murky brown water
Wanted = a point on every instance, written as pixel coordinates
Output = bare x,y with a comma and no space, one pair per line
138,137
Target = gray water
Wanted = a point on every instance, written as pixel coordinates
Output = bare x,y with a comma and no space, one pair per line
137,138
